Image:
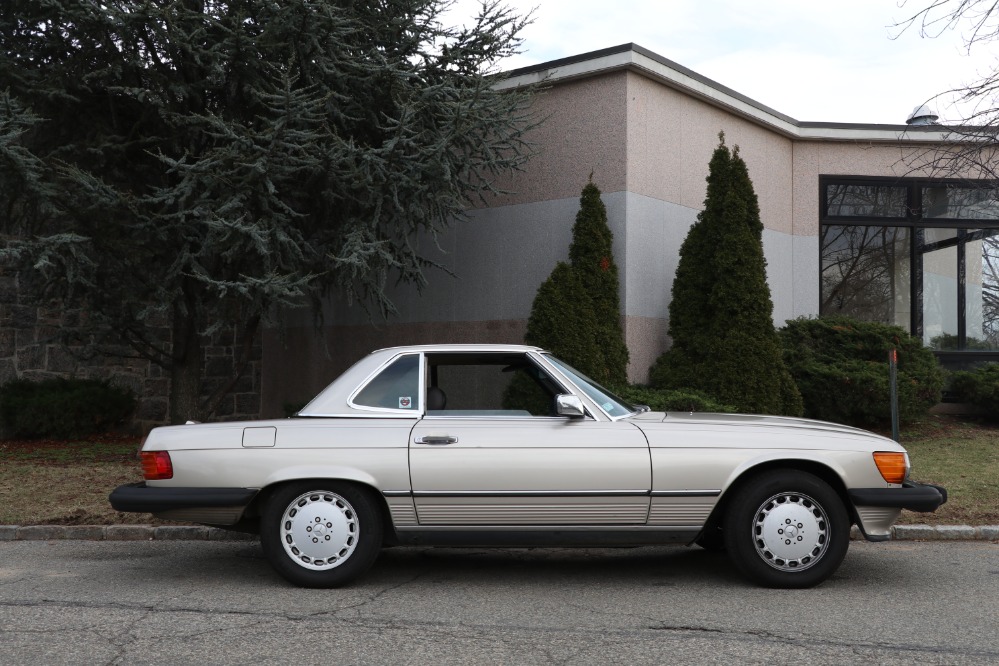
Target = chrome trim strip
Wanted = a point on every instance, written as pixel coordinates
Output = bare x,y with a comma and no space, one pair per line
691,529
498,417
530,493
386,415
550,493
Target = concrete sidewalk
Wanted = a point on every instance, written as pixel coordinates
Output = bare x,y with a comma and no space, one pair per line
201,533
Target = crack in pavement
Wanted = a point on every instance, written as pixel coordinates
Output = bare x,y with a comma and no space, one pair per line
811,641
127,636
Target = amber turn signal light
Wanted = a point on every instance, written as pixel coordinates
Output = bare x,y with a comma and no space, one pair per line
892,465
156,465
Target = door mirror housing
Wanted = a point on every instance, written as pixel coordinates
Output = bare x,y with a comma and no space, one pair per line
569,405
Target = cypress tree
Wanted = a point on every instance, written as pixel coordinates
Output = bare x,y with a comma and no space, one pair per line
592,259
562,319
576,313
721,314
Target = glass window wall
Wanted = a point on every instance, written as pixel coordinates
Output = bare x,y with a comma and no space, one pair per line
934,269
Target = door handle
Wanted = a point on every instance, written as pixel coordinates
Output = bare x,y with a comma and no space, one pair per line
436,439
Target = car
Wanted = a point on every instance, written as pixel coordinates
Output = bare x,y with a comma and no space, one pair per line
506,445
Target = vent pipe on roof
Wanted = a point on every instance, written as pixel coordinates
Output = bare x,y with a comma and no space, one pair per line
922,115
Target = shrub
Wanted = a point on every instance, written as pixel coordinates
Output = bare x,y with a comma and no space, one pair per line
576,313
946,341
62,408
721,314
664,400
980,387
841,367
592,259
561,320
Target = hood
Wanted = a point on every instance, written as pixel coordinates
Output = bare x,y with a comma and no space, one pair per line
782,422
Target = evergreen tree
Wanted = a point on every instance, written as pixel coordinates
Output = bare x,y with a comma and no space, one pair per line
194,164
562,319
592,259
721,314
576,313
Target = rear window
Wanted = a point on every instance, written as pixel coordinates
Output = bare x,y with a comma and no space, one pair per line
395,387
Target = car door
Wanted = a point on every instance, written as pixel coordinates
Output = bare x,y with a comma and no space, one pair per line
494,454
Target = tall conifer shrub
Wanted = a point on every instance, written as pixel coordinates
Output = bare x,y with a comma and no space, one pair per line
576,313
721,314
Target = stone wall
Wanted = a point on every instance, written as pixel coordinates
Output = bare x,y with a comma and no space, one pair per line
33,346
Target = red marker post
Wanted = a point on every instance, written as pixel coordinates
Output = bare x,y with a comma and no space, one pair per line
893,387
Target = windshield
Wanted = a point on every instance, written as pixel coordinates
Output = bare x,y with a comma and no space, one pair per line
610,403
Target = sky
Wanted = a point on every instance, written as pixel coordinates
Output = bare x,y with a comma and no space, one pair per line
823,61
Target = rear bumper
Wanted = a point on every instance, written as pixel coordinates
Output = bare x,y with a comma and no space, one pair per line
912,496
219,506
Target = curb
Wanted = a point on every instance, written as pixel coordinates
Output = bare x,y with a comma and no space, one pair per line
938,533
120,533
200,533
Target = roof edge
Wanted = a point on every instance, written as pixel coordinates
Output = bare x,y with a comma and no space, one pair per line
634,57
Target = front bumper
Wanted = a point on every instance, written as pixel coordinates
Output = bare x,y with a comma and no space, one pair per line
913,496
212,506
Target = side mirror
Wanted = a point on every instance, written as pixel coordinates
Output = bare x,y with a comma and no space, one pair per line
569,405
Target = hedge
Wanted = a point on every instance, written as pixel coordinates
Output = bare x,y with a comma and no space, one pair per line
980,387
62,408
840,365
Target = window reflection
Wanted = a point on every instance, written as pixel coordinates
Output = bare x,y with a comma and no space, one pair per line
925,270
940,287
960,203
865,273
851,200
982,290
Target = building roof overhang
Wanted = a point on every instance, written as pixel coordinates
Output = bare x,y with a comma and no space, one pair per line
637,59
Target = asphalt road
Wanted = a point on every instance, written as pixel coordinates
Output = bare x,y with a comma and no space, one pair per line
202,602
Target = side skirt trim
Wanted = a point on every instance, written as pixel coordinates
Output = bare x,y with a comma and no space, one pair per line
545,535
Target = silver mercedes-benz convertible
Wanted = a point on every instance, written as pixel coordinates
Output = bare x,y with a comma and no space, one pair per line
506,445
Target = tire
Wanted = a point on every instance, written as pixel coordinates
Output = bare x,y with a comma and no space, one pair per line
787,529
712,539
321,533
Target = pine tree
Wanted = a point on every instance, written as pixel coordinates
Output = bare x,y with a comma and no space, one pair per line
576,313
196,164
562,319
721,314
592,259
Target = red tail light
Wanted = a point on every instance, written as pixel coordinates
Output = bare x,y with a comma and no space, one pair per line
156,465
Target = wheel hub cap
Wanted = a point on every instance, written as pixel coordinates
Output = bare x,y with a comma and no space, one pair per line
319,530
791,531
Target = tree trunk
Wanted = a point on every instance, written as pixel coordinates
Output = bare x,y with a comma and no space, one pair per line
185,373
185,387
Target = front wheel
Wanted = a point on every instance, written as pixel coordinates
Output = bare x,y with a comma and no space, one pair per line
320,534
787,529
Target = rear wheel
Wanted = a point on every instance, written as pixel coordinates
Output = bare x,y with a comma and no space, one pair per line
320,534
712,538
787,529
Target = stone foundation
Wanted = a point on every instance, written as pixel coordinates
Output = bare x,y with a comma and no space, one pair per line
42,342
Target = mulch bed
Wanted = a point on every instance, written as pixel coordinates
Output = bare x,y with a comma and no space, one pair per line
113,448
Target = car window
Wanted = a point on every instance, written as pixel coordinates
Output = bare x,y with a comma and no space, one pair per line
395,387
498,384
610,403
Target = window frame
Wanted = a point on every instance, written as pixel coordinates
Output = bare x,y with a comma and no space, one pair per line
427,373
389,411
967,229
